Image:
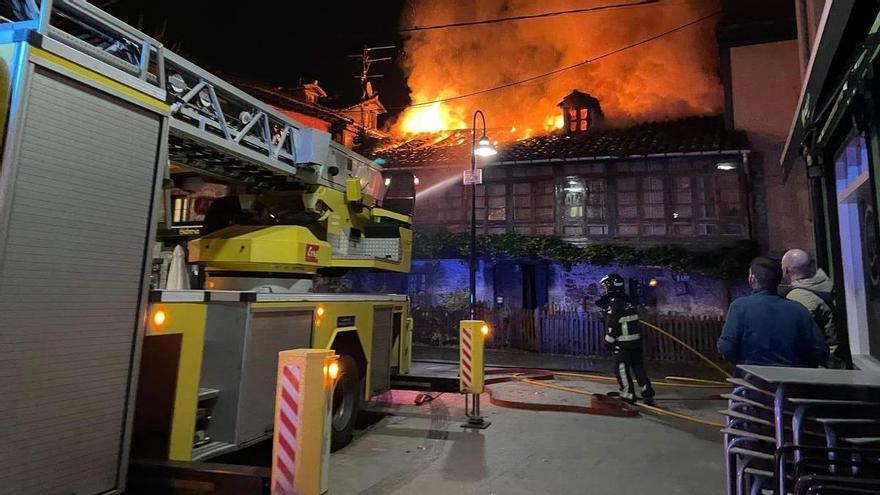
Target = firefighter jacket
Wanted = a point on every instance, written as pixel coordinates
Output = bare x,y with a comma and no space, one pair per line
621,322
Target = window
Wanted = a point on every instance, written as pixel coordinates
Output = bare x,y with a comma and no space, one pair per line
627,198
683,199
522,202
544,196
181,209
595,191
652,198
728,194
491,202
583,200
578,119
859,246
573,199
705,197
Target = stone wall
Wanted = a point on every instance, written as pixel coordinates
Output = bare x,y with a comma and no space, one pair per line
445,281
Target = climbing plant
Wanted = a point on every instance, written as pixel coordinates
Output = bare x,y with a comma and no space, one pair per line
729,262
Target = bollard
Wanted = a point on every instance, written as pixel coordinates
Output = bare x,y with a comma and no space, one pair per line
470,369
303,403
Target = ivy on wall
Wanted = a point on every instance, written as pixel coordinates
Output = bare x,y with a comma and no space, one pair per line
729,262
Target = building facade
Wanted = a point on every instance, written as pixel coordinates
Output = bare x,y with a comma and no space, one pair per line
684,182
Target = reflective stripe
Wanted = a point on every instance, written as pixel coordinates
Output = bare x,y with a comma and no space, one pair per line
629,338
624,324
625,391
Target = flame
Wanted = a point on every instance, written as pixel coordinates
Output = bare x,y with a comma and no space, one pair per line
553,122
672,77
434,117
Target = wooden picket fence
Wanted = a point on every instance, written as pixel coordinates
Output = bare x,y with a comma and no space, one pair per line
567,330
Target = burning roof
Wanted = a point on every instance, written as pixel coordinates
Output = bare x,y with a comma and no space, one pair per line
687,135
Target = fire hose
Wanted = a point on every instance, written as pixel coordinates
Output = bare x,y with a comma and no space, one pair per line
603,404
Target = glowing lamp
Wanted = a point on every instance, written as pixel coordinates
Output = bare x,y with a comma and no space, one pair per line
332,370
159,319
484,330
320,311
415,179
387,181
484,147
726,166
653,282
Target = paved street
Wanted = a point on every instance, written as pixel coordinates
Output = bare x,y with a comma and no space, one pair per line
423,450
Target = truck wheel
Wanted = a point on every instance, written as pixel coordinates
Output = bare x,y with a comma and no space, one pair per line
346,403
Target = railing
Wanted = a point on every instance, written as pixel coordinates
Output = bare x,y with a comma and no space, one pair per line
565,330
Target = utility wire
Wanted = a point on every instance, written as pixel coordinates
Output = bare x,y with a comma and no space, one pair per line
569,67
530,16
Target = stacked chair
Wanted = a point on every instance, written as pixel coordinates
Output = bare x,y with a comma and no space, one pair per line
811,440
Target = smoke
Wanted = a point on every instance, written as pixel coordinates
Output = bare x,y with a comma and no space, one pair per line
671,77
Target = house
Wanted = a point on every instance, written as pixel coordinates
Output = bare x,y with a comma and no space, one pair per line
683,182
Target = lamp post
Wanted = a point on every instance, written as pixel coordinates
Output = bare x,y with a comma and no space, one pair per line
484,148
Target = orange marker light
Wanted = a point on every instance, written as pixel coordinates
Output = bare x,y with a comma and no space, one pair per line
333,370
320,311
159,319
484,330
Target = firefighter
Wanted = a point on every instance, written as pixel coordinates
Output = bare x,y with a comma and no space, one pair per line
624,340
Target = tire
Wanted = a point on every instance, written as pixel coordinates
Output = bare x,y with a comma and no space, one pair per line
347,398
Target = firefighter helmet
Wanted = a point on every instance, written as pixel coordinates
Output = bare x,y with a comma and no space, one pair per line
612,282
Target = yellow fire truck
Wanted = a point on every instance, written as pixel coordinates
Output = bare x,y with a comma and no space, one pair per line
94,367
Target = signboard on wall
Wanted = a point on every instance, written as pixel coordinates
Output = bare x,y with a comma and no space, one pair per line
472,177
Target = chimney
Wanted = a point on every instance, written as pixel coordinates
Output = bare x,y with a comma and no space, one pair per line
580,112
309,92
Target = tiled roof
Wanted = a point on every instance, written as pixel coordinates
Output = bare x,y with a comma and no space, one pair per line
689,135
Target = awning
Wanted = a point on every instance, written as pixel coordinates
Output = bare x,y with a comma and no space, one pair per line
834,20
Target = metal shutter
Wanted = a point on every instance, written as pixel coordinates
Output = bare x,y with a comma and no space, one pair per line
70,284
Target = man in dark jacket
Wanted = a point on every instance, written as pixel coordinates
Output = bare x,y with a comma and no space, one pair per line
767,329
624,340
813,289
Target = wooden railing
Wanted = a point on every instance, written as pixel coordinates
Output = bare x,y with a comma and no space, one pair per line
566,330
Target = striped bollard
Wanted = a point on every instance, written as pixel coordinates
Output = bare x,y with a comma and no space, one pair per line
303,399
471,373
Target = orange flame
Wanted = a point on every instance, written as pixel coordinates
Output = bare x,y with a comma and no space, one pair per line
671,77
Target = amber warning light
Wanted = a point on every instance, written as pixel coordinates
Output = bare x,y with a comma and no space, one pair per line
159,318
484,330
333,370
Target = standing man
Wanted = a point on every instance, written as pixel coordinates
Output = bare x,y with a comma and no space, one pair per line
767,329
624,340
813,288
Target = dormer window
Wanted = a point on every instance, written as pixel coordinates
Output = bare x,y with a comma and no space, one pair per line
580,112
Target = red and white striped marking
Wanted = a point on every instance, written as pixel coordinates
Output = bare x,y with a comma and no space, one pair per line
291,381
466,350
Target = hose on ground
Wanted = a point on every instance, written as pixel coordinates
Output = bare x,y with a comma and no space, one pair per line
653,409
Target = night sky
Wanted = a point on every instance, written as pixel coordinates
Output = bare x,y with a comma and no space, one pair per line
279,42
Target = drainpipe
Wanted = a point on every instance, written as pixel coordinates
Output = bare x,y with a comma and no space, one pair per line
748,174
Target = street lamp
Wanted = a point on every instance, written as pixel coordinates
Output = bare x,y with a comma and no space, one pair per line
483,148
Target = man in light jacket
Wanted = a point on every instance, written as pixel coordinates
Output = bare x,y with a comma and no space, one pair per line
813,289
767,329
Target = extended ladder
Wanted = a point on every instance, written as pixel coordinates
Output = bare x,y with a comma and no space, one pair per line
214,126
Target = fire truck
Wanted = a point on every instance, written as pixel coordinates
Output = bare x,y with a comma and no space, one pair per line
95,368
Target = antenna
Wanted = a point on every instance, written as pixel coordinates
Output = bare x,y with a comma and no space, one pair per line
366,61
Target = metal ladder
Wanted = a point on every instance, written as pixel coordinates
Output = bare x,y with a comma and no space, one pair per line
214,126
